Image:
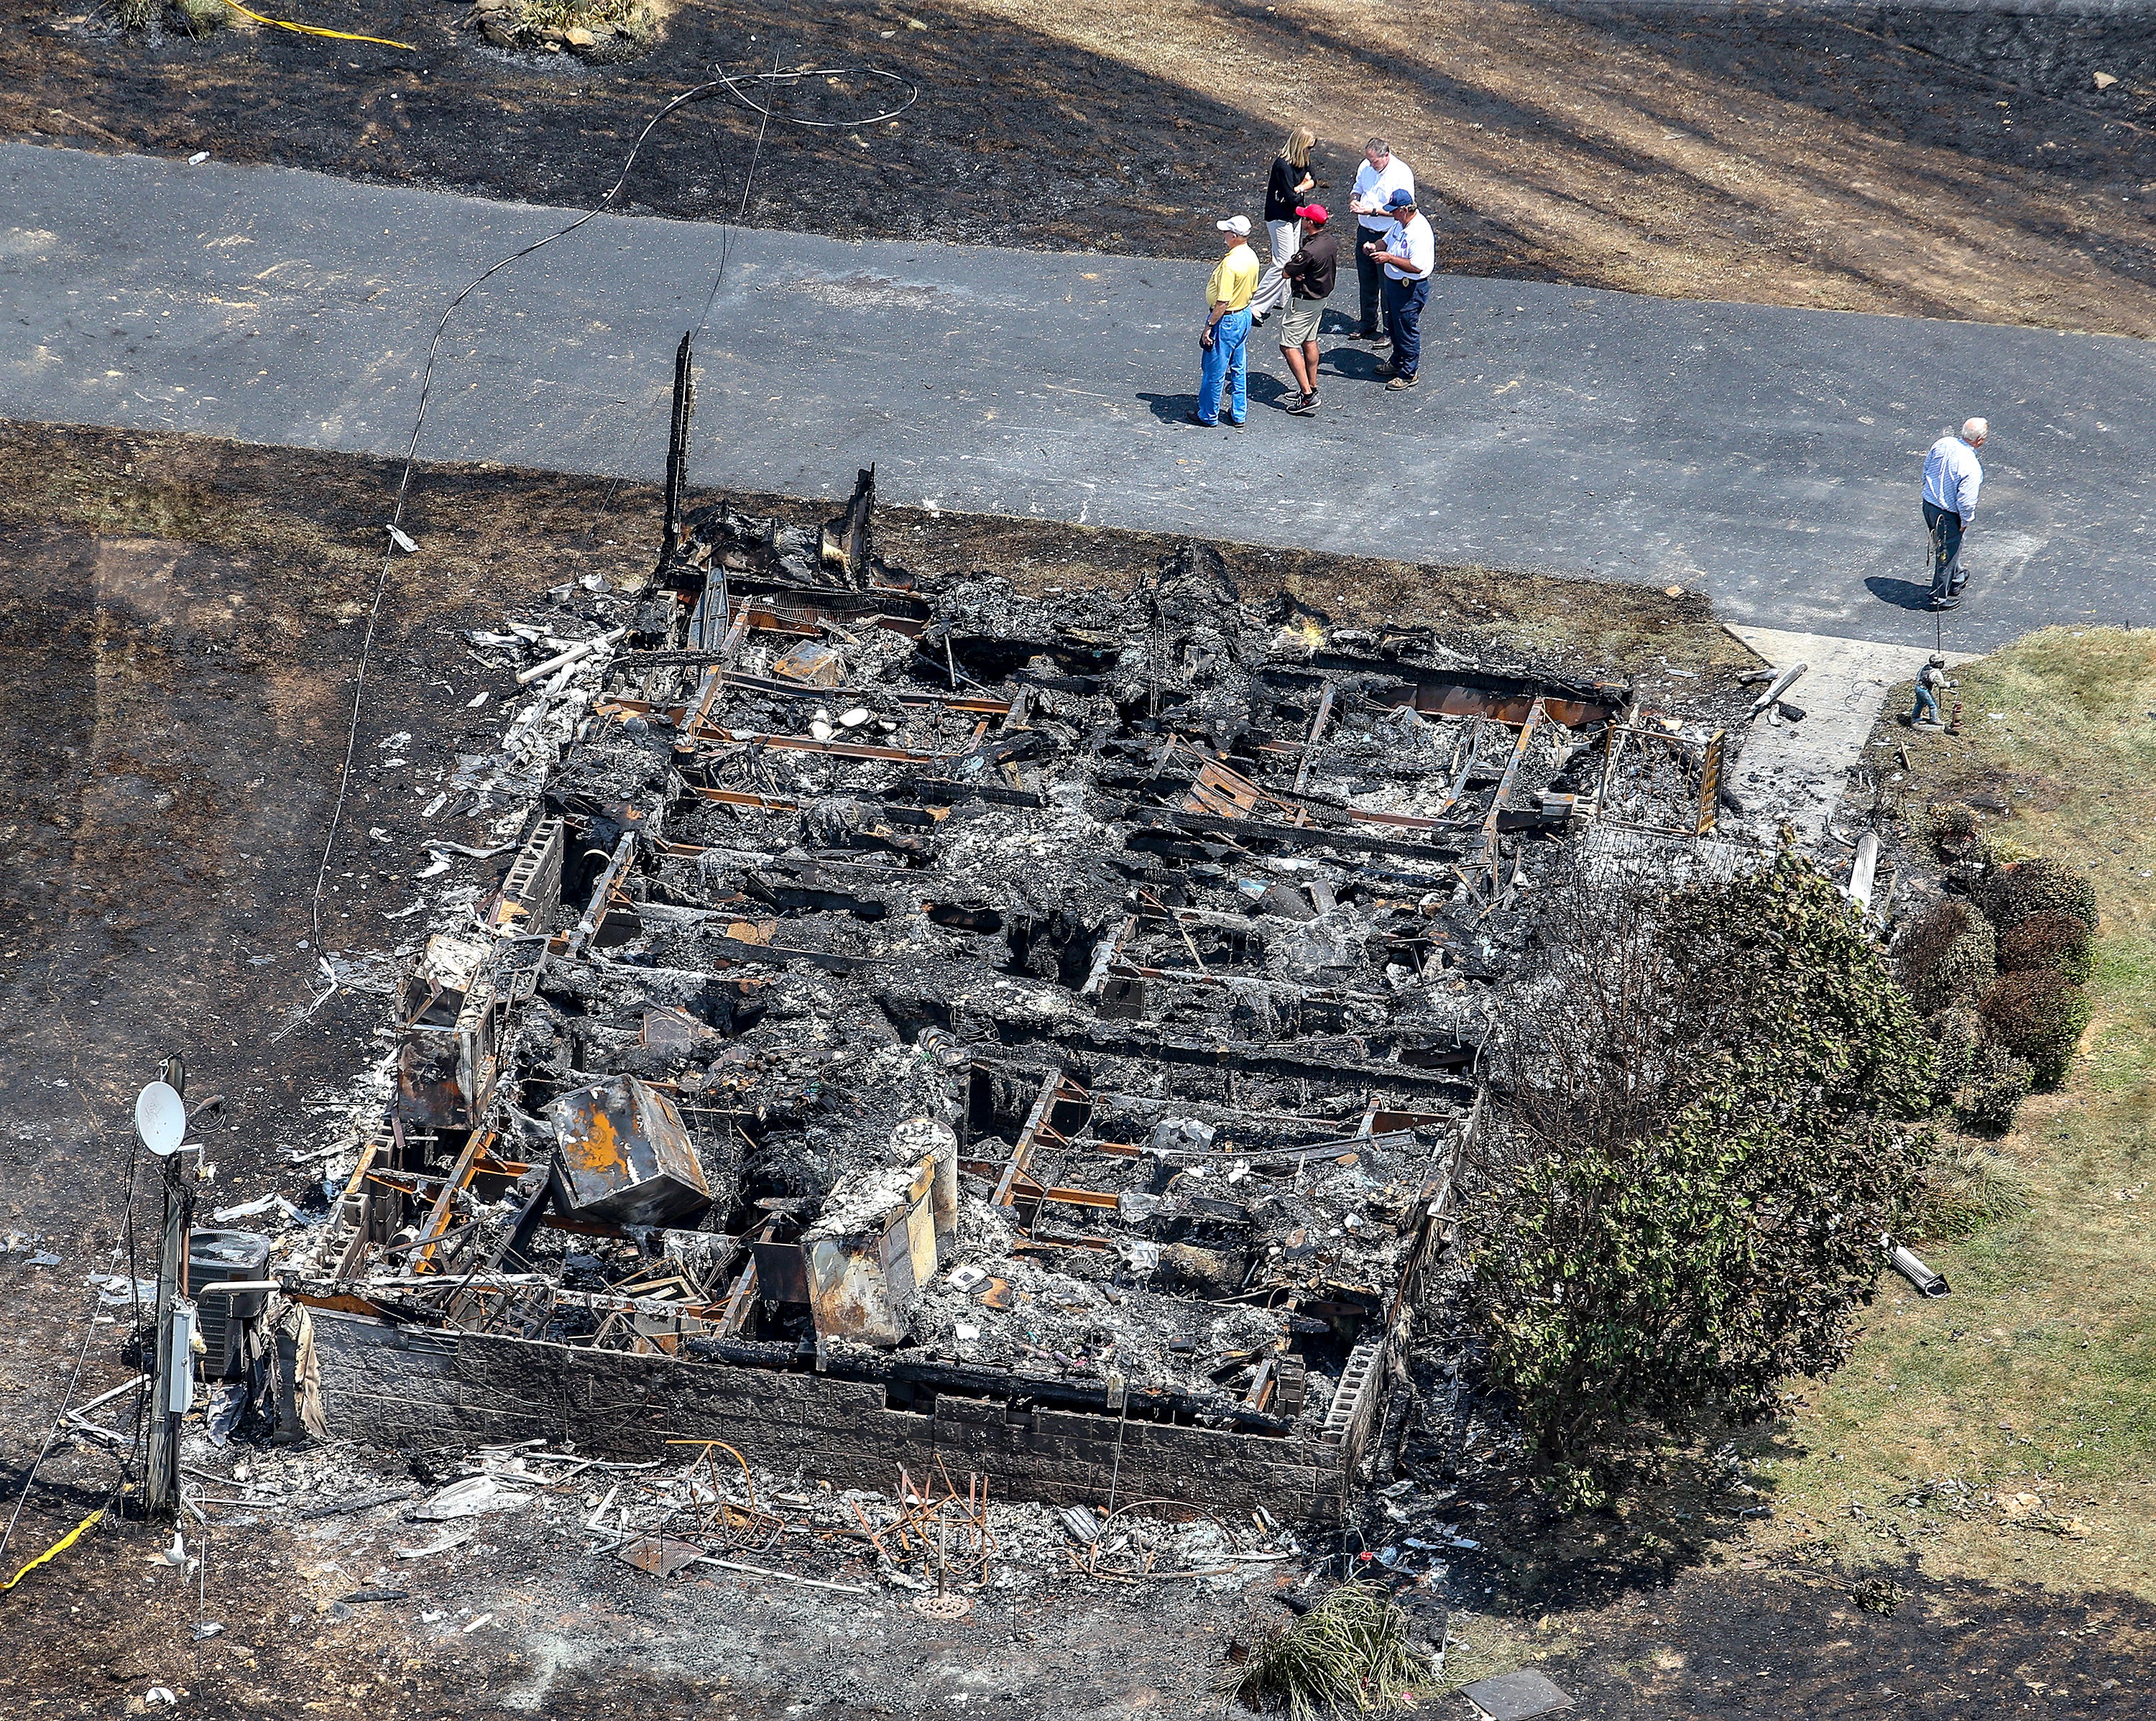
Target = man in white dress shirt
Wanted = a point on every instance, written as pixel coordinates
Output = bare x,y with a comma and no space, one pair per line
1381,174
1952,477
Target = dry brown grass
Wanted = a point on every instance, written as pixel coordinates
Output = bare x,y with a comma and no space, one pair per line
1612,165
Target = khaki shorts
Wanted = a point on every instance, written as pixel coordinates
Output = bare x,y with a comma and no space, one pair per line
1299,320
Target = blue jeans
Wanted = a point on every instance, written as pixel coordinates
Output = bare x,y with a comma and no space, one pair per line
1926,707
1403,304
1224,363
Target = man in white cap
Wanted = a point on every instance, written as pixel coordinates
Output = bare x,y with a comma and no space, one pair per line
1952,477
1224,340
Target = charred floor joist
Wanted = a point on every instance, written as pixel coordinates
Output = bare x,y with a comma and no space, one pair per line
920,1020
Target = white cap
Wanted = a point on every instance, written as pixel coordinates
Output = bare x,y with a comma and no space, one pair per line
1235,224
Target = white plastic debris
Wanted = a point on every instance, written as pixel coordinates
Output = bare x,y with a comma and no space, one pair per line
470,1497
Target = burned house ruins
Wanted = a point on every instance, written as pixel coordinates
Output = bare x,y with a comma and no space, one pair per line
923,1022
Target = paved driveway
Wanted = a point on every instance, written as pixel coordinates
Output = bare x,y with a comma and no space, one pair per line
1768,456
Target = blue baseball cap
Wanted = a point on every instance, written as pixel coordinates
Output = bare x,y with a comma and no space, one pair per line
1401,199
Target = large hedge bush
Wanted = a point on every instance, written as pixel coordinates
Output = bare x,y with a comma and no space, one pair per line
2038,1015
1949,957
1706,1097
2010,893
2050,937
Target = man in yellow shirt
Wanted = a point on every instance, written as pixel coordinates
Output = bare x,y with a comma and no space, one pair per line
1226,337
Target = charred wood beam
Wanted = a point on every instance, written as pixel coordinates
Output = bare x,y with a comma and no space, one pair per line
438,1216
884,1369
728,740
677,445
1105,957
1316,730
595,914
1505,788
1035,1126
1248,831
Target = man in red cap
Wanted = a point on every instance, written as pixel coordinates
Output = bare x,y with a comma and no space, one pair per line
1310,273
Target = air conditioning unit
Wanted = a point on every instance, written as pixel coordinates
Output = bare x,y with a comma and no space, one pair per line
225,1257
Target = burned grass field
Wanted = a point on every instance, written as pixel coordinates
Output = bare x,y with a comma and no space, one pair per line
1908,160
184,618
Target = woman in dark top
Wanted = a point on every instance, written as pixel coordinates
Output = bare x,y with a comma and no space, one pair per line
1289,184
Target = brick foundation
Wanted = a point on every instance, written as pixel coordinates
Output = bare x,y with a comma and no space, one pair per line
406,1387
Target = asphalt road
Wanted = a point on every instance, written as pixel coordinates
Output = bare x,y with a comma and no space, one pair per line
1768,457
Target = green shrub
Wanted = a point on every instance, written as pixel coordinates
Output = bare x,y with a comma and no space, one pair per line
199,18
1349,1651
1997,1081
1967,1187
1958,1035
2037,1015
2010,894
1949,957
2050,937
135,14
1705,1096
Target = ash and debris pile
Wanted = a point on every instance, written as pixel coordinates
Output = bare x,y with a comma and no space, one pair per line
1068,999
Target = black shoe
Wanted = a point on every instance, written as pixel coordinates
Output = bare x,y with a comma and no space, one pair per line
1305,405
1202,423
1366,335
1234,424
1946,603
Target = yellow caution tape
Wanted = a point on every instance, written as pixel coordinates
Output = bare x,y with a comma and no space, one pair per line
316,30
61,1546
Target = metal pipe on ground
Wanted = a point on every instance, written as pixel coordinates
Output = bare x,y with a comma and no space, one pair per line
1778,686
1864,871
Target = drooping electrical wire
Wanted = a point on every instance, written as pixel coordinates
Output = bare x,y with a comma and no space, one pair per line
738,89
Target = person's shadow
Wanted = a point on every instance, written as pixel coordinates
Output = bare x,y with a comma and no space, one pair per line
1903,594
1169,408
1261,389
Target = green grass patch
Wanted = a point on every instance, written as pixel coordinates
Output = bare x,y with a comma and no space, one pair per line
2035,1380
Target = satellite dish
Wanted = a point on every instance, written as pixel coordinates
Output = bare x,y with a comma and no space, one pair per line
161,1118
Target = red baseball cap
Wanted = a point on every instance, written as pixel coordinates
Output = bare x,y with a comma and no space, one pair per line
1313,212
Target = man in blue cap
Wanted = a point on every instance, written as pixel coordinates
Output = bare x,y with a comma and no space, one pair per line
1409,253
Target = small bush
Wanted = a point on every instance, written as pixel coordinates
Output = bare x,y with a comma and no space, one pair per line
2010,894
1949,957
2048,939
1997,1081
200,17
1955,831
2037,1015
135,14
1349,1651
1967,1187
1958,1034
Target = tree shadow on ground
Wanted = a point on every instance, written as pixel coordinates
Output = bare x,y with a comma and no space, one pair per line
1671,1506
1785,1639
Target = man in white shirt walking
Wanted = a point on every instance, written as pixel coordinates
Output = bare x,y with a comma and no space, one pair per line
1407,253
1952,477
1381,174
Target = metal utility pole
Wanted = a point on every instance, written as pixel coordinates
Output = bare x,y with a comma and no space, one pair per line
176,1372
161,1120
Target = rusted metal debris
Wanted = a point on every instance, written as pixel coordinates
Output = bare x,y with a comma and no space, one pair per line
1064,1001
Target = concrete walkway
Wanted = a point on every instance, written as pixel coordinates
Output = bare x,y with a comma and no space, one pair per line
1768,457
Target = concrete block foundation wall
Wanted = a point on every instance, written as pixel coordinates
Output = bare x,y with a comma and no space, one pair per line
394,1387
